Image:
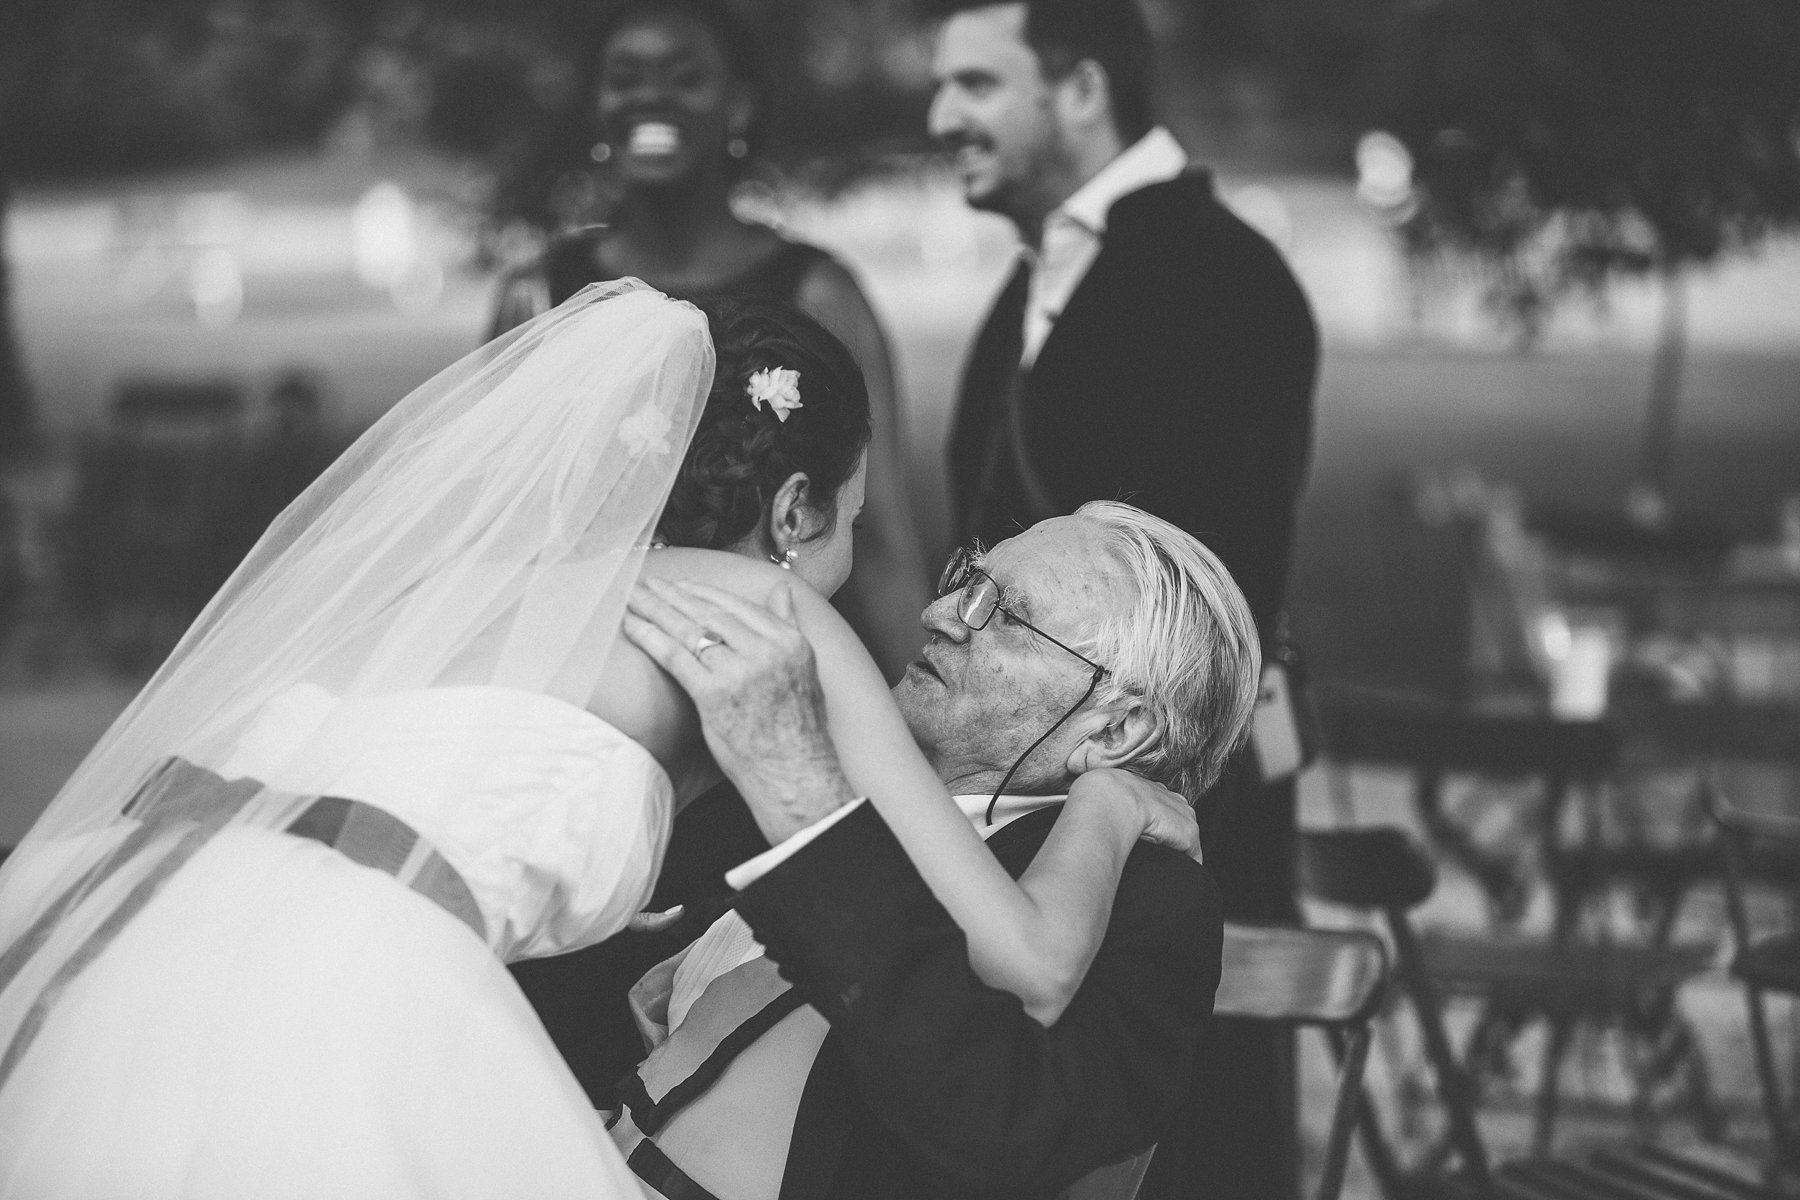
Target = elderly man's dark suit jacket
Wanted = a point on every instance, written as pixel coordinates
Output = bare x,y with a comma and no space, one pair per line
932,1085
1179,376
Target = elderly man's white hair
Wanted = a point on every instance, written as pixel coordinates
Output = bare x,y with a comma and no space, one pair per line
1188,650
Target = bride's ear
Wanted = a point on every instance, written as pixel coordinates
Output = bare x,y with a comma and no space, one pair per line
792,517
1116,736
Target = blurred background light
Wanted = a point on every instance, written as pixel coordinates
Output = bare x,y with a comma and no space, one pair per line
1384,170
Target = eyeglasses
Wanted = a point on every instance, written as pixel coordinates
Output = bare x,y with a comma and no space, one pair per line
980,600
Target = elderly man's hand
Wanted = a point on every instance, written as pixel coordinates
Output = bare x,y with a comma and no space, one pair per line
1164,817
751,675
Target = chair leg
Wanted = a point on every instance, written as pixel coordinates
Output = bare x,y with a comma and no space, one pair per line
1549,1083
1456,1087
1378,1155
1344,1113
1390,1179
1774,1109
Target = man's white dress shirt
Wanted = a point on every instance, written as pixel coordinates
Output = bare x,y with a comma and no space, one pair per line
728,943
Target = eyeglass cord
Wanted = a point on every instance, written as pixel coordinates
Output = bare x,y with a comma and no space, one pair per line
1020,761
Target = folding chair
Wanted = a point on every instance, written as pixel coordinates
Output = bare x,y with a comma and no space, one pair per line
1385,871
1563,979
1333,980
1761,825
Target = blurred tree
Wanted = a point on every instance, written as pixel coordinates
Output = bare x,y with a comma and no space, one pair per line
95,87
1567,143
1286,85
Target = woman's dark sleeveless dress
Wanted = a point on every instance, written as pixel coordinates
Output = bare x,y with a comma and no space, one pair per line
581,997
573,262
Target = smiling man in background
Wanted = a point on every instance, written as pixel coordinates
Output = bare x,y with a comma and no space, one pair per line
1152,346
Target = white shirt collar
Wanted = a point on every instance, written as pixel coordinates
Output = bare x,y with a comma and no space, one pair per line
1006,810
1154,158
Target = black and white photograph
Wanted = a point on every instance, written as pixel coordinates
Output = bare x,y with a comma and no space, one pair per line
900,599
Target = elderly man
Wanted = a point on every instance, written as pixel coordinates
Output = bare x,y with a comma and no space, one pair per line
926,1082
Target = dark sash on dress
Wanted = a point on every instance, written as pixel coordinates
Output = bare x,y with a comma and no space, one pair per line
178,809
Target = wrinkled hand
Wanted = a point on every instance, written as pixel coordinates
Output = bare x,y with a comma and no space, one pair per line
750,673
1166,817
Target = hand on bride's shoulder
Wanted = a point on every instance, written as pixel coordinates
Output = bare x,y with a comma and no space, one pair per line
753,677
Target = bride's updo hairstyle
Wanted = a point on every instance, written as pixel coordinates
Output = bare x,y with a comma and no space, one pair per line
743,452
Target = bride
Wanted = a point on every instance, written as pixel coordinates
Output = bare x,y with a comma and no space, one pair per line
255,945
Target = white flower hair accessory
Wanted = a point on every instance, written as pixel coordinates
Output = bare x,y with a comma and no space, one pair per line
779,386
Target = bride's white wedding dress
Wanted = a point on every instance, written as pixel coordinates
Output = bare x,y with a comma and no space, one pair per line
276,1019
254,947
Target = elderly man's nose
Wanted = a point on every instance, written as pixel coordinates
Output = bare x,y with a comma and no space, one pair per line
940,618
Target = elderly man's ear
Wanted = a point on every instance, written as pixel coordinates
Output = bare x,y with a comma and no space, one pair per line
1114,736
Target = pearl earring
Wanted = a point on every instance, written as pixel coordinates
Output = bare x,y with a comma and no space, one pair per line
784,560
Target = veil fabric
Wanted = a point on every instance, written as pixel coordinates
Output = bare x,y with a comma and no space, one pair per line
486,530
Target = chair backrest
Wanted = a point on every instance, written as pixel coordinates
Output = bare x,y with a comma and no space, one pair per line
1117,1181
1371,868
1300,976
1334,979
1759,812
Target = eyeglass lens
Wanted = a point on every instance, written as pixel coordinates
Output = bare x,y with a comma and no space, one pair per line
978,601
980,595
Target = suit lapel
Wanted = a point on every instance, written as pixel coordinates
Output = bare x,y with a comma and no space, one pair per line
976,434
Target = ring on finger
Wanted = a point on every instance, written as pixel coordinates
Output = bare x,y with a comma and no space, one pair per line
704,642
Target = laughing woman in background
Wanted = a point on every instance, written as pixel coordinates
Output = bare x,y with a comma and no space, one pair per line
678,98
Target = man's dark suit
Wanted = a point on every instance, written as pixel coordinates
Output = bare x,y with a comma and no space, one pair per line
1179,376
932,1084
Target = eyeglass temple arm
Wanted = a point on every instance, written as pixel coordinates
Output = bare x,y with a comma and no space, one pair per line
1020,761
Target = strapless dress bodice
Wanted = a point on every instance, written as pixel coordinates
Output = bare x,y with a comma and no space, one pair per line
555,819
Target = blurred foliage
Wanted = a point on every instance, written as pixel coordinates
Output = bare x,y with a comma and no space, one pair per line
103,86
1558,145
1562,140
1569,142
95,87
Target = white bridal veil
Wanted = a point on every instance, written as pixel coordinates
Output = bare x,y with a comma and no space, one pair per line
487,529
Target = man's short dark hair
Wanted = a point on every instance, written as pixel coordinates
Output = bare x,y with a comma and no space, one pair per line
1112,33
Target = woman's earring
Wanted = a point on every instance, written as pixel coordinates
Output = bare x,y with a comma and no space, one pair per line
600,151
737,147
784,560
